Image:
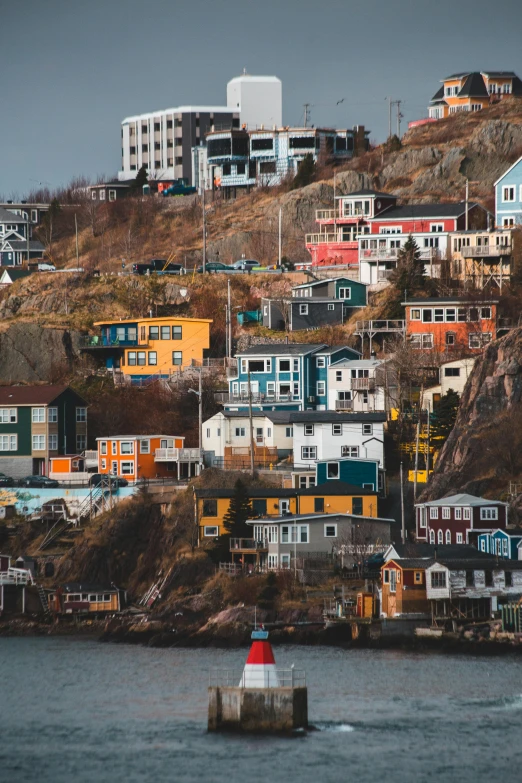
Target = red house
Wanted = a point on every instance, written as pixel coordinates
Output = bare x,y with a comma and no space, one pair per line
446,324
458,519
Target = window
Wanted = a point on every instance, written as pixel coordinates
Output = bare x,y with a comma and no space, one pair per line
331,307
337,429
284,365
152,357
437,227
332,470
488,578
38,442
508,578
438,315
81,415
489,513
144,446
467,513
485,313
177,332
102,195
357,506
320,361
127,468
350,451
308,452
177,358
432,536
210,507
459,538
8,442
422,517
103,464
296,365
386,577
415,314
451,372
330,531
422,341
367,429
131,358
126,447
427,315
103,447
417,577
38,415
318,505
210,531
308,429
153,332
321,388
81,442
240,432
457,513
112,195
259,507
114,464
289,432
338,375
438,579
479,339
448,536
446,512
345,293
434,512
440,537
9,415
52,415
142,358
508,221
508,193
451,315
285,561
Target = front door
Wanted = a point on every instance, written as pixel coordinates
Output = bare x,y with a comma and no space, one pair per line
284,507
38,466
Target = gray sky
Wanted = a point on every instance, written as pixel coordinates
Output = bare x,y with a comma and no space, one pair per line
73,69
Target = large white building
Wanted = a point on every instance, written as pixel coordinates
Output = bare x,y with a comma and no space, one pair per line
258,98
331,435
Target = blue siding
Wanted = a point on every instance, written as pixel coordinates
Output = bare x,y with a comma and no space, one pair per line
488,542
509,209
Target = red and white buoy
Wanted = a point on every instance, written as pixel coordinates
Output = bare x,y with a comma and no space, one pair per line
260,669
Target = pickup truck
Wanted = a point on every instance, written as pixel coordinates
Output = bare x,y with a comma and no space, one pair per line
157,265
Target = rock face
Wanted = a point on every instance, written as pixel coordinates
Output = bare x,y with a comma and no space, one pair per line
484,450
30,354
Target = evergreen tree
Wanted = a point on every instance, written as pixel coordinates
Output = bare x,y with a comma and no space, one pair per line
238,512
409,274
141,180
443,418
305,173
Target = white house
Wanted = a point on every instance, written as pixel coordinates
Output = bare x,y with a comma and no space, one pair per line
378,253
227,435
452,375
327,435
361,385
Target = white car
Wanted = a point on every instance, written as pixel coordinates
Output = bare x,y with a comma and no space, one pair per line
245,264
44,266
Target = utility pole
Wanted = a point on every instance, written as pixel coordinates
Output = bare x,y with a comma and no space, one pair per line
306,107
335,220
467,200
76,232
229,324
204,230
403,526
417,444
27,238
389,117
399,118
200,401
280,235
251,424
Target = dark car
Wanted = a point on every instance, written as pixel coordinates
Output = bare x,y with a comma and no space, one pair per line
115,481
38,481
6,481
214,266
159,265
172,269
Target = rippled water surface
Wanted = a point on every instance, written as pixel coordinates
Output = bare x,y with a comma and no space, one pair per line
79,711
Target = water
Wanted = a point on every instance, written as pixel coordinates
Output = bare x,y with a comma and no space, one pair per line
75,711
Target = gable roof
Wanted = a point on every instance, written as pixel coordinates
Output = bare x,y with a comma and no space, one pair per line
507,172
335,487
439,95
430,551
21,244
328,280
14,274
32,395
368,192
425,211
462,499
405,563
282,349
8,216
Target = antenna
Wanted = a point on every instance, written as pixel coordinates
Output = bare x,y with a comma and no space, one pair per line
306,107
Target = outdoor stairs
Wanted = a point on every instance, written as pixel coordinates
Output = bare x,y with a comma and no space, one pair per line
154,592
94,502
57,529
43,599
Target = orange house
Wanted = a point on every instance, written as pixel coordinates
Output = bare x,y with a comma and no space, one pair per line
72,463
472,91
147,457
446,324
404,588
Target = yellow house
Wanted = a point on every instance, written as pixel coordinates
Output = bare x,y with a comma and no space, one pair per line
481,257
142,347
472,91
333,497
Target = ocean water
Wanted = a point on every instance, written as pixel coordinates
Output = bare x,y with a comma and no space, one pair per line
75,711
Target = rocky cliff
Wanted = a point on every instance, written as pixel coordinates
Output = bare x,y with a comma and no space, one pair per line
32,354
484,451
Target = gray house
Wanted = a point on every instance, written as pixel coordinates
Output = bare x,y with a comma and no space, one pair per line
278,541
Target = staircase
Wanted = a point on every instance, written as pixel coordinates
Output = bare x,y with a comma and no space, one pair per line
43,600
95,501
57,529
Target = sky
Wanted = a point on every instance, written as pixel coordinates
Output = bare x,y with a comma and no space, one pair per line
73,69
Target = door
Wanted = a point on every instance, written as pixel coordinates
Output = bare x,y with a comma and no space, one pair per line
259,436
284,507
38,466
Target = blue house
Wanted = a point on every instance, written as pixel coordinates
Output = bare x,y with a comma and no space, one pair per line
352,293
364,473
14,244
508,197
286,376
504,543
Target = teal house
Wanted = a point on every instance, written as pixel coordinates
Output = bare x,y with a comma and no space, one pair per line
503,543
364,473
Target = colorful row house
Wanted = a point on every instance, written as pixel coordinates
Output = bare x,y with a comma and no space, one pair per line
139,457
502,543
458,519
448,324
472,91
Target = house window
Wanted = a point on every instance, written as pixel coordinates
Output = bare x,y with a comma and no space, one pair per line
103,464
81,442
127,468
177,358
467,513
284,365
331,307
38,442
126,447
131,358
438,315
308,429
338,375
417,577
102,195
103,447
386,577
434,512
350,451
345,293
459,538
451,372
210,507
309,452
422,341
153,332
142,358
438,579
508,578
451,315
52,415
81,415
485,313
508,193
437,227
489,513
9,415
367,429
321,388
432,536
272,561
357,506
259,507
320,361
415,314
457,513
152,357
318,505
440,537
479,339
337,429
177,332
114,466
240,432
144,446
296,365
210,531
112,195
332,470
285,561
446,513
448,536
38,415
427,315
208,432
508,221
330,531
8,442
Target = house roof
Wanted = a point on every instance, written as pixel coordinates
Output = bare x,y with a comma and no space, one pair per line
516,163
409,562
368,192
361,364
21,244
282,349
429,551
277,417
140,437
490,563
449,300
500,74
463,499
425,211
328,417
152,320
439,95
15,274
328,280
8,216
252,492
87,587
474,87
31,395
336,348
335,487
318,518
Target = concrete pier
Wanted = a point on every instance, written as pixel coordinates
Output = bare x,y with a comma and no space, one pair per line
262,710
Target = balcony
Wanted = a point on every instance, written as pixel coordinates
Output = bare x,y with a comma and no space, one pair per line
392,253
248,545
374,327
176,455
344,405
99,342
257,398
326,214
363,384
328,239
486,251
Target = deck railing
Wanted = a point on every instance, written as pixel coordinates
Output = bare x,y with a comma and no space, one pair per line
491,251
235,678
176,455
252,544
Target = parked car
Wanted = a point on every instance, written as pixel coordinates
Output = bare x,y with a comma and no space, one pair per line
172,269
38,481
143,269
6,481
45,266
245,264
214,266
115,481
158,265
